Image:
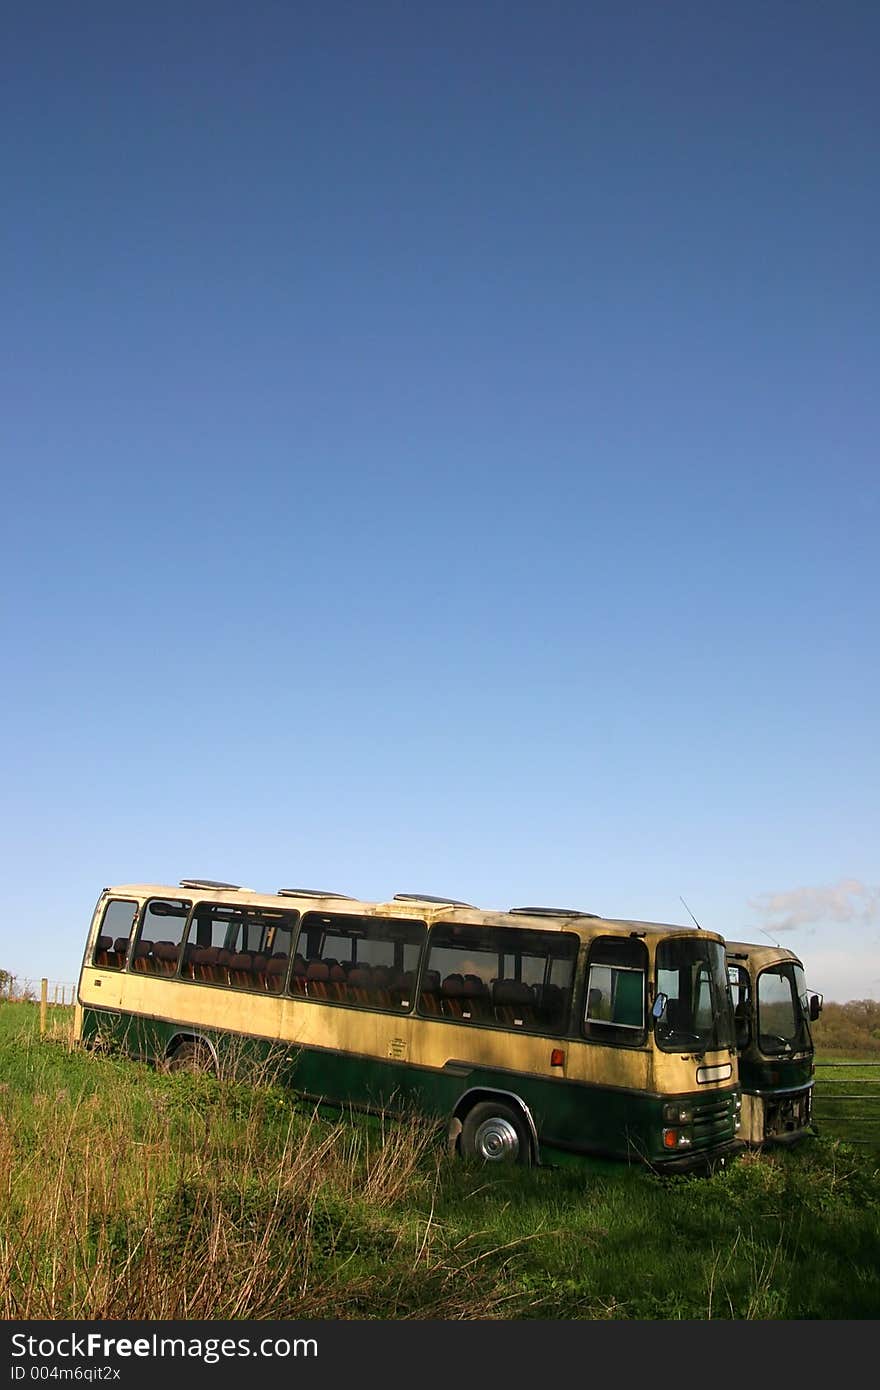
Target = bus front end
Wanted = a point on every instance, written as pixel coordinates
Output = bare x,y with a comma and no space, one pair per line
697,1111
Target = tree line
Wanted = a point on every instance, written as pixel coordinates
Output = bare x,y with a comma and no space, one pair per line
848,1027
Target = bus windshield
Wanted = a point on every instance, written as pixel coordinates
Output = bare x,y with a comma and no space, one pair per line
692,974
782,1020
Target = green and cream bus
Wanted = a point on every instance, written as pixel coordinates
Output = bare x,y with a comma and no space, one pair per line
531,1034
772,1014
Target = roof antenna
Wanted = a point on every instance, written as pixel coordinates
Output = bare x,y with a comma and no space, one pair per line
691,915
769,937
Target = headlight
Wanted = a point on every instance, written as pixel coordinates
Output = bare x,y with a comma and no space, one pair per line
675,1114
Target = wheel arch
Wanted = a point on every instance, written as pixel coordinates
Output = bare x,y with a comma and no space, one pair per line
189,1035
472,1097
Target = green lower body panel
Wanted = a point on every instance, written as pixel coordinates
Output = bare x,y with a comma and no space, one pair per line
569,1118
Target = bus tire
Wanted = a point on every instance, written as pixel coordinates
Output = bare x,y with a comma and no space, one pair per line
492,1132
190,1057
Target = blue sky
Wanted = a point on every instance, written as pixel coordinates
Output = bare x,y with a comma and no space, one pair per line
441,456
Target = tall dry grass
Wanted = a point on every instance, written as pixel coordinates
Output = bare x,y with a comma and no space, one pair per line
196,1197
126,1193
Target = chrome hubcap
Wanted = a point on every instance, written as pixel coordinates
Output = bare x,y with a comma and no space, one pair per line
496,1141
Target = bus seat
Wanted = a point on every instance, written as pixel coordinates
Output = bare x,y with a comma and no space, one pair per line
120,950
212,971
224,958
317,979
241,970
193,962
451,992
400,989
380,982
359,985
276,969
475,1000
429,999
165,956
298,977
337,988
513,1003
141,960
103,947
259,968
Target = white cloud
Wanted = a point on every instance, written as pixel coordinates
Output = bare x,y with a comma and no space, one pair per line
848,902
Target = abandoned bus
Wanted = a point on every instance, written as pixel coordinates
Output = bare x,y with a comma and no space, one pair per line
529,1033
772,1014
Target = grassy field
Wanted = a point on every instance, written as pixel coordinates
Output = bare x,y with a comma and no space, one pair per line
131,1194
846,1098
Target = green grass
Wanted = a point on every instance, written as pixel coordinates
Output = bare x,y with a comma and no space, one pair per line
126,1193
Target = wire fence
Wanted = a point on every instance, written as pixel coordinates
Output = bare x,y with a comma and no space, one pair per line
15,988
846,1101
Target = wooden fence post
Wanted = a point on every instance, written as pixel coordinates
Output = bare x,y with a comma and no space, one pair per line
44,996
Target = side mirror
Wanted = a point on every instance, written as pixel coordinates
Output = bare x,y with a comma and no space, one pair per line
659,1006
816,1002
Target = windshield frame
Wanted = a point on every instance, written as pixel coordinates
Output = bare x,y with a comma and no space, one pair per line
691,972
798,1039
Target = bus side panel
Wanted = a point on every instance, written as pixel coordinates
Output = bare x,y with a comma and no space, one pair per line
600,1100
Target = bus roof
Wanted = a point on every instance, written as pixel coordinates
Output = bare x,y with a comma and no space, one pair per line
430,908
760,954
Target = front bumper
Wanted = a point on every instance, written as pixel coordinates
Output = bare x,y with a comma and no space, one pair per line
701,1161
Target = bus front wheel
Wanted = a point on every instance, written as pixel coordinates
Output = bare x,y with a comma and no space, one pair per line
493,1132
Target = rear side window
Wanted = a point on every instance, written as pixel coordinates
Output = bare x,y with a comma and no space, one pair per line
157,948
111,945
239,947
614,1010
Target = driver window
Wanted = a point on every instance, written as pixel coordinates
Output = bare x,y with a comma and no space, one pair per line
614,1010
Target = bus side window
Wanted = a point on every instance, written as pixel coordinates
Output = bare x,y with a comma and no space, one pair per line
500,976
615,1001
238,947
157,948
111,946
358,961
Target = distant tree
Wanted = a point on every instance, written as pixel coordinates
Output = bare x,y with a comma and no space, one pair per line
852,1027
